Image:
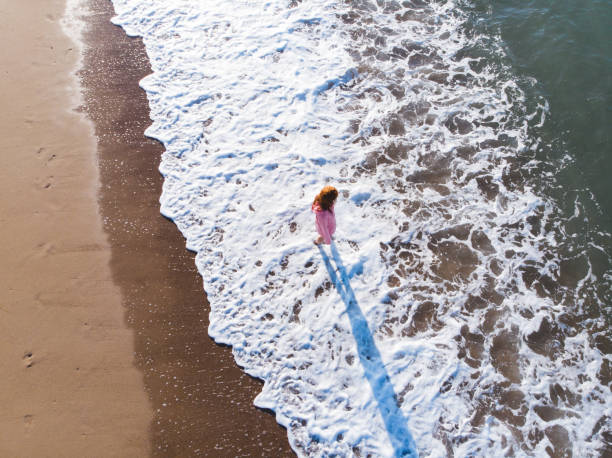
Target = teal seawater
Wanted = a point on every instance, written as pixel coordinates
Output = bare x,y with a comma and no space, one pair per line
566,46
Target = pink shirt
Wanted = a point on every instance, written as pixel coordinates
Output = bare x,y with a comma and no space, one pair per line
325,222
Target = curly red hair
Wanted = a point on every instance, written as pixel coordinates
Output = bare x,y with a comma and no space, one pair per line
326,198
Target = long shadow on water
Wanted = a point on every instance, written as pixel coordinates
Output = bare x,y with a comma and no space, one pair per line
375,372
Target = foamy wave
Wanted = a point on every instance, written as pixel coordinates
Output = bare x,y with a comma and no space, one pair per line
418,331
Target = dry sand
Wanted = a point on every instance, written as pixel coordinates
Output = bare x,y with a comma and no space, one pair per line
68,385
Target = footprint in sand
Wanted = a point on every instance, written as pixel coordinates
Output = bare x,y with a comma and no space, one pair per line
48,157
45,249
28,359
28,421
45,183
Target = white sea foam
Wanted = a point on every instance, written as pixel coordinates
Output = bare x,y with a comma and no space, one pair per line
377,345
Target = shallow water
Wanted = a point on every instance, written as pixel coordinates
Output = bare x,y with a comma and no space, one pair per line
462,309
571,63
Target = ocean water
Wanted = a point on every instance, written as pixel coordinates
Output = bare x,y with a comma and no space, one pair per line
464,307
566,47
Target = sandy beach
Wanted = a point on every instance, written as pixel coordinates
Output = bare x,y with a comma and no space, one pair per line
69,386
104,315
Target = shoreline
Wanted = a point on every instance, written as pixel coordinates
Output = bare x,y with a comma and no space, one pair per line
202,400
70,386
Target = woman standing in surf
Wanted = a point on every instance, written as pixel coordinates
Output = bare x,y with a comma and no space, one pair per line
325,218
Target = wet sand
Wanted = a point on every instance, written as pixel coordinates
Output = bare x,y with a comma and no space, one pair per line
203,402
68,386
